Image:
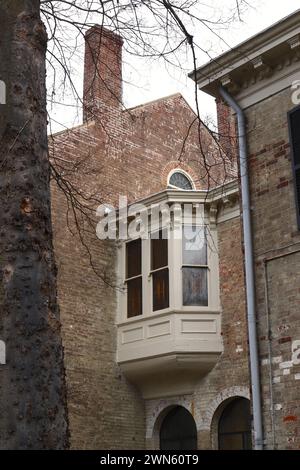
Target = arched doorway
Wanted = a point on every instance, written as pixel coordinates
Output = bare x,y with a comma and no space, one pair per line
234,430
178,431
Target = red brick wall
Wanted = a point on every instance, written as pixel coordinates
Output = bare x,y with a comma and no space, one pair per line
132,157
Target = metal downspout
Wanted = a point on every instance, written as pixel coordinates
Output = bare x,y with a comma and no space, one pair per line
249,268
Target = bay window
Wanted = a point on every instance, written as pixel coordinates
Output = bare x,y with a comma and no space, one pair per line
163,272
169,313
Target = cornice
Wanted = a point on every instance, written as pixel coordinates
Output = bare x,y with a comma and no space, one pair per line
207,197
255,61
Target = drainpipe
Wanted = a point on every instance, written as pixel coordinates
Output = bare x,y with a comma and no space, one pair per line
249,267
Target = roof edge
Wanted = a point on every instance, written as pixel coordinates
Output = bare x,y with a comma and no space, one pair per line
238,54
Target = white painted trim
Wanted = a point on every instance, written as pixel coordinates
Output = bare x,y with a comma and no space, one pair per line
270,87
248,50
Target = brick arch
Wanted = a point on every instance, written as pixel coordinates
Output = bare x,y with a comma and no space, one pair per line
238,392
158,409
173,165
232,392
158,414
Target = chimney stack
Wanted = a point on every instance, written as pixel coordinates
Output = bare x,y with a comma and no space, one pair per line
102,89
226,129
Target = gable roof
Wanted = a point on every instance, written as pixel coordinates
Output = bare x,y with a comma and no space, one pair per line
173,97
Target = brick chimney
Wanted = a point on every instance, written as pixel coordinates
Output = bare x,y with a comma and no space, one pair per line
102,88
226,128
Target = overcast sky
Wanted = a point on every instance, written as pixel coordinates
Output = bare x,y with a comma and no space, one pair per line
146,80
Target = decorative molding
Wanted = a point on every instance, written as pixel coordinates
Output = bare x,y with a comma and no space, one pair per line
281,79
229,83
294,42
270,44
295,47
262,68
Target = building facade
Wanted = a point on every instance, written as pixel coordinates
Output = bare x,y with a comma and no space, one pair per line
154,328
262,75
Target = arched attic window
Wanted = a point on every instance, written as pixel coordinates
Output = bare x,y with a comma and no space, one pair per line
179,179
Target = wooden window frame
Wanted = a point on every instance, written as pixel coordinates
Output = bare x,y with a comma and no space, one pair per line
196,266
160,269
133,278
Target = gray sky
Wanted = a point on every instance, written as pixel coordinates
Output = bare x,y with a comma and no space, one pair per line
149,80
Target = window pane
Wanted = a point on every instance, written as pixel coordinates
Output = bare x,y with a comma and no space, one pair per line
159,250
160,281
134,297
181,181
194,285
194,245
134,258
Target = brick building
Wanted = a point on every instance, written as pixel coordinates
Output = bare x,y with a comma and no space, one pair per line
156,346
262,76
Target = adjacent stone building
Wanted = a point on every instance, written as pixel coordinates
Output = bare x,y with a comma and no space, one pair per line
262,75
154,330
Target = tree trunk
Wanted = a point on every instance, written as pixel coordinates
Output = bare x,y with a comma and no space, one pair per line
32,383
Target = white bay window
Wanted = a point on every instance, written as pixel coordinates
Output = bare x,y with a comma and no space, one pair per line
159,268
169,315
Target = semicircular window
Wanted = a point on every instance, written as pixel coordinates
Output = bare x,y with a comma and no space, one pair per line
181,181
